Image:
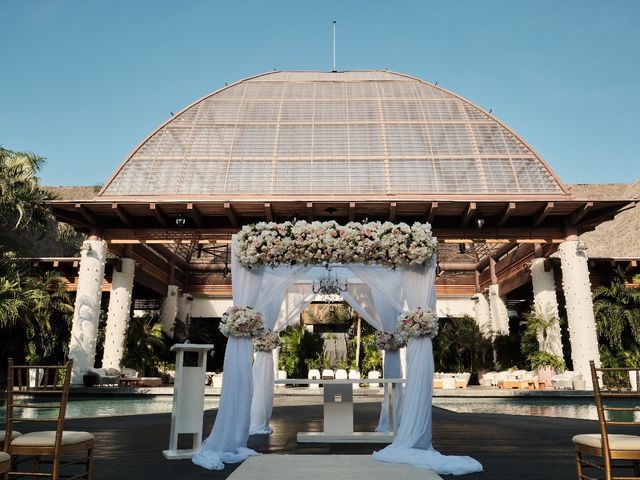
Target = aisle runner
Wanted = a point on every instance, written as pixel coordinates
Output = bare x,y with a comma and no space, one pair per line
326,467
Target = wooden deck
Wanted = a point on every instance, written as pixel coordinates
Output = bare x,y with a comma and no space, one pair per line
509,447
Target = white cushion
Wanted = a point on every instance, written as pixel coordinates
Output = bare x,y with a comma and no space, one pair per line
48,439
14,434
616,442
4,457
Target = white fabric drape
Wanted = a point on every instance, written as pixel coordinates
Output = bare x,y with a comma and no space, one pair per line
274,284
392,367
412,443
228,439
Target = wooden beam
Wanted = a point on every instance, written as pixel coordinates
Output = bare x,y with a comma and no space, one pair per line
88,215
123,215
632,264
507,213
392,212
432,211
477,279
167,255
469,213
580,213
352,211
231,215
160,216
492,271
544,213
310,211
268,212
196,216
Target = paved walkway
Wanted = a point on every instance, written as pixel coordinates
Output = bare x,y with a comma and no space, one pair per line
509,447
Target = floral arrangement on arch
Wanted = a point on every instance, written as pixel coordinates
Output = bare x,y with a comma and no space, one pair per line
390,340
266,341
241,322
418,323
301,242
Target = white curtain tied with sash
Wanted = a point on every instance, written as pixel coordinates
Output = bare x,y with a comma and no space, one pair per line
412,443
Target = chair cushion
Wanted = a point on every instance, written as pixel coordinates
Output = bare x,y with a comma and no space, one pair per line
14,434
4,457
48,439
616,442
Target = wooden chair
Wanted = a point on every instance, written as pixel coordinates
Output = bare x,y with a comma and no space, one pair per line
618,405
38,396
5,464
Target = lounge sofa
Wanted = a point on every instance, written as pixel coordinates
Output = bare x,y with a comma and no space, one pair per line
106,376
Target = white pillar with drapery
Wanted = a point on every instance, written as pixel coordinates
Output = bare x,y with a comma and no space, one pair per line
412,443
255,287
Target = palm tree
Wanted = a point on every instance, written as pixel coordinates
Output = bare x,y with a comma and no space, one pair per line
617,312
22,199
144,344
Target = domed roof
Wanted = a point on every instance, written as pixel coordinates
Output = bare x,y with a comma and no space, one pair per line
373,133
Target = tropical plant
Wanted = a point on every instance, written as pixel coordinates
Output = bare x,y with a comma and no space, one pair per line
461,346
372,357
22,200
144,345
540,324
542,359
299,348
617,313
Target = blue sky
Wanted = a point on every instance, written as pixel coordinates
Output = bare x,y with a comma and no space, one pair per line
84,81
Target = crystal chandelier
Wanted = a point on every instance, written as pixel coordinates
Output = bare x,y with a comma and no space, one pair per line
329,284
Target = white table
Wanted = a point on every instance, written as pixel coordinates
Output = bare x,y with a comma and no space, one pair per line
338,411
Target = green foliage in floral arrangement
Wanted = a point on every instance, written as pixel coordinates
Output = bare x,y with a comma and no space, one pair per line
542,359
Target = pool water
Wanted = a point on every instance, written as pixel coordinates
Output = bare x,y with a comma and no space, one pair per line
83,407
580,408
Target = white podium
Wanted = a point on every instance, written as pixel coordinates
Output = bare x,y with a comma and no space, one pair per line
188,399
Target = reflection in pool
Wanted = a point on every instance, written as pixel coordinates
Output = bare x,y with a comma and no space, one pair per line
79,407
582,408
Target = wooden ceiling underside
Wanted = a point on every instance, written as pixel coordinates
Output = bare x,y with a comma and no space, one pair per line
187,242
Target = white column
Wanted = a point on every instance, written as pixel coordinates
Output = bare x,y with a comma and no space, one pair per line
482,312
498,307
84,330
183,312
118,313
577,294
169,310
546,303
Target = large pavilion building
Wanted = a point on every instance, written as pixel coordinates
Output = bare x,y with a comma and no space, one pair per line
345,146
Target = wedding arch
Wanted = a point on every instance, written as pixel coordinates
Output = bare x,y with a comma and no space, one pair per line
390,270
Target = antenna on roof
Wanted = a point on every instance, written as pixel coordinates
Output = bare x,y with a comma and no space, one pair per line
334,47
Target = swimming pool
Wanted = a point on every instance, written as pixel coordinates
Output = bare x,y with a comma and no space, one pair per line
581,408
118,405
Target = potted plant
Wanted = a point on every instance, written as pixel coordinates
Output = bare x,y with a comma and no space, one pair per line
327,369
354,374
547,365
341,372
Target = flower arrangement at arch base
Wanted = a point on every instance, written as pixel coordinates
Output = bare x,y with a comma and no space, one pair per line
390,340
240,321
418,323
266,341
